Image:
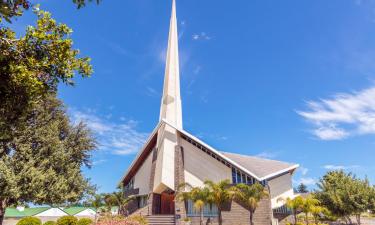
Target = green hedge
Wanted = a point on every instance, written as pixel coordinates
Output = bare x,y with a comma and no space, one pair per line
29,221
67,220
50,223
85,221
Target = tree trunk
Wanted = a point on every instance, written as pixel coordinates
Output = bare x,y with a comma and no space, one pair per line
358,217
251,218
201,217
295,217
3,206
220,217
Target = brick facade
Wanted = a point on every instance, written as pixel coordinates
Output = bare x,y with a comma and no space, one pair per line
234,214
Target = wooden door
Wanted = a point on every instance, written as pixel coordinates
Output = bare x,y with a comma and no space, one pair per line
167,203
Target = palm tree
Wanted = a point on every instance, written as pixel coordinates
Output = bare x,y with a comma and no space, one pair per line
316,212
294,204
308,205
96,202
198,195
219,194
249,196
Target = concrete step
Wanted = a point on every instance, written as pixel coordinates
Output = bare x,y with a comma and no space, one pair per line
161,220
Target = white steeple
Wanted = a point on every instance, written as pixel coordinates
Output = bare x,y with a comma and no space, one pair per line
171,109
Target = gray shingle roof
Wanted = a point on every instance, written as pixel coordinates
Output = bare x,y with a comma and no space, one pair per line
259,166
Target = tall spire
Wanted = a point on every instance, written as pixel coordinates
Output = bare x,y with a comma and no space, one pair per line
171,109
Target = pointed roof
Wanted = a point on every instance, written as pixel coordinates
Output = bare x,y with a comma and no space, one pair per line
171,109
259,168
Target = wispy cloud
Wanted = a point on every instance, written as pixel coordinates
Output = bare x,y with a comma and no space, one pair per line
121,138
305,180
152,92
342,115
303,170
201,36
98,162
267,155
340,167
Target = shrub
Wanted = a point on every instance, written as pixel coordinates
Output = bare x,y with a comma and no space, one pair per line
134,220
30,221
67,220
50,223
140,219
84,221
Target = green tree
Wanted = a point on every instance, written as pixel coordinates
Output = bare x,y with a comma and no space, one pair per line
198,195
14,8
309,204
121,201
345,195
249,196
32,66
96,201
219,194
302,188
295,205
42,164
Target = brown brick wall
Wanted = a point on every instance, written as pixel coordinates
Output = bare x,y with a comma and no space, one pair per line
238,215
180,210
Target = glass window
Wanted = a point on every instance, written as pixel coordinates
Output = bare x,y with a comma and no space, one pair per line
234,180
209,210
239,177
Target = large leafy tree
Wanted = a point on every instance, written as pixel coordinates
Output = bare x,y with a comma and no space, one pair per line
345,195
41,152
249,196
42,164
32,66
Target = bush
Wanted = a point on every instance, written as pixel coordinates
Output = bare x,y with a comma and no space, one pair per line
67,220
118,220
50,223
30,221
140,219
85,221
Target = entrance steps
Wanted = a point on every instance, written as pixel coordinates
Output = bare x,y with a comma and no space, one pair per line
161,220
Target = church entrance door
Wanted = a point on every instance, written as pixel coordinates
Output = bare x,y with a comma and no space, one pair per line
167,203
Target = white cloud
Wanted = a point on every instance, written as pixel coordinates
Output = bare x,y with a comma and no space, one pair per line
340,167
152,92
303,170
267,155
343,115
118,138
201,36
305,180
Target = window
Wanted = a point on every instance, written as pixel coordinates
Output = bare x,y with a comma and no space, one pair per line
240,177
142,201
234,177
209,210
129,185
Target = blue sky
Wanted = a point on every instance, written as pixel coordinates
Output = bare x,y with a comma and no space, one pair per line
288,80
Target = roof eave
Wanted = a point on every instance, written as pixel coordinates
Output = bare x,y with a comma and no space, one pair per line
293,167
141,150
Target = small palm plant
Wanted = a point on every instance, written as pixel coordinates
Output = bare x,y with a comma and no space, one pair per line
249,196
198,195
309,203
219,194
295,205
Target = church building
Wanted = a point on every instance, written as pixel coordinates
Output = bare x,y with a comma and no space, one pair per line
172,156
